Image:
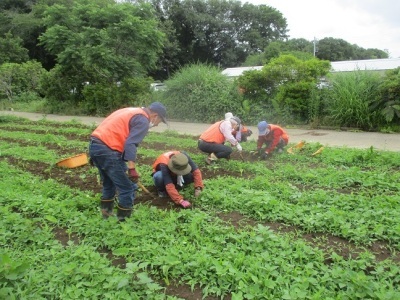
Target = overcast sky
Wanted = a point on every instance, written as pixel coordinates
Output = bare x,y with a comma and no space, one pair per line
366,23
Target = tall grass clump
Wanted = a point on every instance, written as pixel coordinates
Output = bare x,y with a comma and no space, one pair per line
200,93
351,97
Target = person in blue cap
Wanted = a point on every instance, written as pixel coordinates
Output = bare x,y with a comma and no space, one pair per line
112,149
273,137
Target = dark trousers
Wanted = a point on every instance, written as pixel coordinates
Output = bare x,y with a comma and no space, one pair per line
160,185
113,175
220,150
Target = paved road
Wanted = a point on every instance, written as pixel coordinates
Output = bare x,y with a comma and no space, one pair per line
359,140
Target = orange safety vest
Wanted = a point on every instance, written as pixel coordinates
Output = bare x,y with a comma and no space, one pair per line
213,134
114,130
282,132
243,130
163,159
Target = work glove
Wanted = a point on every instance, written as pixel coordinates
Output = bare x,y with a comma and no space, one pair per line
254,152
264,155
185,204
197,192
239,147
133,175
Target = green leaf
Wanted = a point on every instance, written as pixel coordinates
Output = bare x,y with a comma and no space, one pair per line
51,218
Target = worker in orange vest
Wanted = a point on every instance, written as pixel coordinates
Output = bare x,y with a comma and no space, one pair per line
113,148
273,136
173,171
242,133
213,139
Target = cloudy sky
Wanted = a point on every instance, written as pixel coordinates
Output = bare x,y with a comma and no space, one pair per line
366,23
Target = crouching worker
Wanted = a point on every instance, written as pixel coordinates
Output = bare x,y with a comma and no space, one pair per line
242,134
213,139
174,170
273,136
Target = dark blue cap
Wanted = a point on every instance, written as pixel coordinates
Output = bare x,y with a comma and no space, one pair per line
160,109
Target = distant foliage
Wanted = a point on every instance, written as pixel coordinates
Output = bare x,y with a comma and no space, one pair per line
284,86
389,102
351,97
102,99
11,50
17,79
200,93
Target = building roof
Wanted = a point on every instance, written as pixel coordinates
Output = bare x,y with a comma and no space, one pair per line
236,72
367,64
337,66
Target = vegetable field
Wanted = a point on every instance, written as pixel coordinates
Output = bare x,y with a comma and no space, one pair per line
295,226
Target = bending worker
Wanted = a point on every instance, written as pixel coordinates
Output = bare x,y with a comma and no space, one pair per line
112,149
212,140
273,136
242,133
173,171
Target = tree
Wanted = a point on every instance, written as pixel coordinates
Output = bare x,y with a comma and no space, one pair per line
284,85
219,32
100,41
17,79
21,20
21,6
11,50
337,50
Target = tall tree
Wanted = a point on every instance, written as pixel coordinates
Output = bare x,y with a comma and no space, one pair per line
335,49
219,32
100,40
11,50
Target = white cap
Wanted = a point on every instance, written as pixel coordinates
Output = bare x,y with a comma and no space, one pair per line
228,115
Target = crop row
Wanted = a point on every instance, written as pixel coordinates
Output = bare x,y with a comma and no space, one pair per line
347,193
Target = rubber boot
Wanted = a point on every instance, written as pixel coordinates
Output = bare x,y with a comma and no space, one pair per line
107,208
123,213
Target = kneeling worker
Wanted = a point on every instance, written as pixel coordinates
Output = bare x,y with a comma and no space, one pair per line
172,171
213,139
273,136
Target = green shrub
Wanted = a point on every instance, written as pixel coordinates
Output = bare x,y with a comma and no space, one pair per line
103,98
388,104
200,93
351,97
283,87
18,79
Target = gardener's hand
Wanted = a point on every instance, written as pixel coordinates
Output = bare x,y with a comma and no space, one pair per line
264,156
185,204
133,175
254,152
239,147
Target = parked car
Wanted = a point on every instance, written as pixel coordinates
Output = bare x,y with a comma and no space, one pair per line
157,86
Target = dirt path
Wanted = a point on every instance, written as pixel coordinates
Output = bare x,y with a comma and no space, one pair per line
382,141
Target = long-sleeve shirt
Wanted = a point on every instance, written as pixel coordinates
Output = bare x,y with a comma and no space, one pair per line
272,138
226,130
123,130
170,179
140,124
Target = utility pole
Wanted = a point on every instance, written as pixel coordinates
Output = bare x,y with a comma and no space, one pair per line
315,45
